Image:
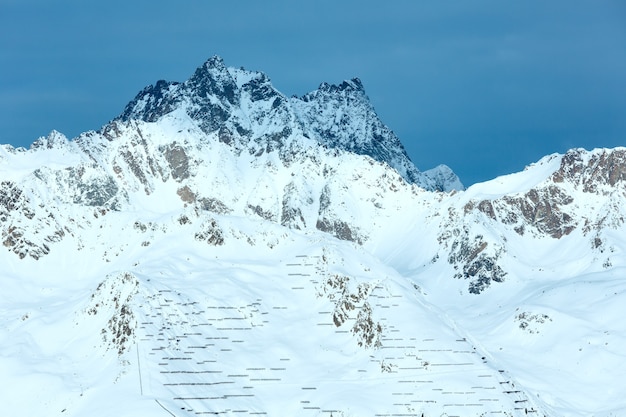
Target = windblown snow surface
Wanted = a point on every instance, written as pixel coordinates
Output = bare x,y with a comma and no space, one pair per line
151,269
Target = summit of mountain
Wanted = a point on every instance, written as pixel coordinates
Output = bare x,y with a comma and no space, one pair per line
245,110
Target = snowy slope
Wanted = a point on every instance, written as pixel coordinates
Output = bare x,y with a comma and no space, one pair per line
160,266
301,325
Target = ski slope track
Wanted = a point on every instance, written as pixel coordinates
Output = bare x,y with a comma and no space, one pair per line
222,249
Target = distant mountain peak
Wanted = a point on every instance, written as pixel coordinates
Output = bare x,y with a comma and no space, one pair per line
244,106
215,61
54,139
354,84
213,79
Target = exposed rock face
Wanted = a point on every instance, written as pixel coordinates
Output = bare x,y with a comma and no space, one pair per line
542,209
153,102
292,208
473,262
214,205
331,222
351,303
594,172
211,233
473,256
24,230
111,306
11,199
342,117
549,207
178,161
340,229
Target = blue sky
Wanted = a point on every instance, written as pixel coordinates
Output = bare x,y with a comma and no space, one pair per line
484,86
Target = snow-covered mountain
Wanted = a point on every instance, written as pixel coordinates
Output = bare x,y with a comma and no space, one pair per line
245,110
220,248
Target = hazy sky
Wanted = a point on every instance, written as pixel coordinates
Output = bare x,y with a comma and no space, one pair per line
484,86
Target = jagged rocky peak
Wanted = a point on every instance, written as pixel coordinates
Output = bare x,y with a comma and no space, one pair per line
54,140
342,116
213,79
245,110
353,85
